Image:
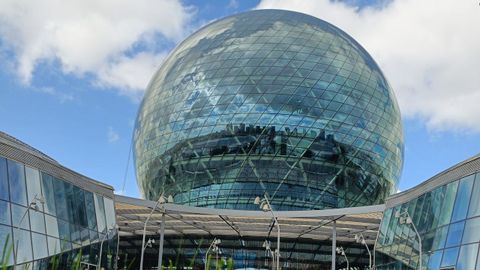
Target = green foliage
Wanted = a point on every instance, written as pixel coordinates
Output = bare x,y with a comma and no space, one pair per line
230,264
7,251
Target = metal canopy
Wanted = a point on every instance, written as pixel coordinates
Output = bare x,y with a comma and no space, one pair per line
313,225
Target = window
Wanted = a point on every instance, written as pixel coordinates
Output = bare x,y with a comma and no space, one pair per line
110,213
4,193
4,214
60,199
463,198
37,221
16,177
39,246
475,200
100,212
455,234
471,233
449,257
20,216
6,240
48,194
34,189
467,257
90,208
24,241
447,207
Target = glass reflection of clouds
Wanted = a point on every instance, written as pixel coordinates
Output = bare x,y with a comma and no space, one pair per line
273,101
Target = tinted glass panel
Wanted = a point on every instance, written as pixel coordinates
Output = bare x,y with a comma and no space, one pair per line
471,233
79,207
455,234
474,209
24,245
450,257
60,199
4,191
37,221
467,257
90,207
20,216
6,242
100,212
16,177
463,198
448,203
53,246
48,193
4,213
34,189
435,260
52,226
40,249
110,213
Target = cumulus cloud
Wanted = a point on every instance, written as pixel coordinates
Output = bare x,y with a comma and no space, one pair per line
428,49
108,39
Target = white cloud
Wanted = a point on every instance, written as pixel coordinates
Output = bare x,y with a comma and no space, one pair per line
428,49
112,135
96,37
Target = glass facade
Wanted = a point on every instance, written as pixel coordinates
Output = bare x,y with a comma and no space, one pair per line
42,216
448,222
269,101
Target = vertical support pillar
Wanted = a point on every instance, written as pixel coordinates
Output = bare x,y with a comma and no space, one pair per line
160,247
334,244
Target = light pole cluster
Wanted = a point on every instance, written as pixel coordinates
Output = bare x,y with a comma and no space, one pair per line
404,218
33,205
265,206
361,240
341,251
213,247
161,200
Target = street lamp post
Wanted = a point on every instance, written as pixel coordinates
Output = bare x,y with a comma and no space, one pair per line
99,263
161,200
213,246
31,206
265,206
341,251
360,239
266,245
404,218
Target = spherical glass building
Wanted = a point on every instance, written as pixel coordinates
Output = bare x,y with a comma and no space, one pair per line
269,101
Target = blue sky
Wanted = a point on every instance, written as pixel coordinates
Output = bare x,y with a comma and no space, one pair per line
70,83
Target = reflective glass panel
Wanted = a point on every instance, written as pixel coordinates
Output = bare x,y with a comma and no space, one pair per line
48,194
435,260
7,243
40,249
110,213
474,209
4,193
471,233
450,257
100,212
463,198
4,213
34,189
455,234
60,199
52,226
90,208
37,221
467,257
16,177
450,192
24,242
20,216
53,246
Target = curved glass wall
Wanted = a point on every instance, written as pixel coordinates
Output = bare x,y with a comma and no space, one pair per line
45,220
448,221
269,101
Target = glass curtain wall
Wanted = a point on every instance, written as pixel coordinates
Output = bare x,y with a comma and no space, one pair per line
448,221
42,216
